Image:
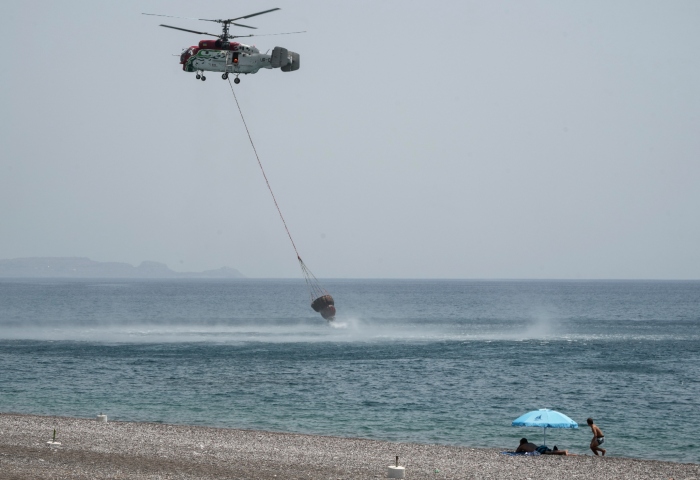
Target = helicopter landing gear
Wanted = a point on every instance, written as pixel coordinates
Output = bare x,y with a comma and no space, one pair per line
225,76
236,80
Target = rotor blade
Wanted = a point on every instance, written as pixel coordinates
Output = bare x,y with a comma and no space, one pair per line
170,16
191,31
253,14
240,25
192,18
267,34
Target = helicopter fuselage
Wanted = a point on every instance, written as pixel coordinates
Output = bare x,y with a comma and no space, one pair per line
236,58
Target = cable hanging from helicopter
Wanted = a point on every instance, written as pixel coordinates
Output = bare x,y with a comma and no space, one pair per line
321,301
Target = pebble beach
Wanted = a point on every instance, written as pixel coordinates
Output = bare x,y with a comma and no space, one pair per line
128,450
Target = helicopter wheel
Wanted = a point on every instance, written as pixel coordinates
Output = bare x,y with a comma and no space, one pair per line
203,78
236,80
224,76
198,76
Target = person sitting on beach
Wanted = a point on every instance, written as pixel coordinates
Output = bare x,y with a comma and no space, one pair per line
526,447
598,437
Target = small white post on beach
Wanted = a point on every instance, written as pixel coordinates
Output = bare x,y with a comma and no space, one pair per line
102,418
395,471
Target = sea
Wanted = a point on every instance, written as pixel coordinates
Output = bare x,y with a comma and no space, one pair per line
450,362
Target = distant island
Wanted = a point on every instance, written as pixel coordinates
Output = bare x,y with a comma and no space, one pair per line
77,267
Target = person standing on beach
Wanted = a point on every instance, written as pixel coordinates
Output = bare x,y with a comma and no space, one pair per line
598,437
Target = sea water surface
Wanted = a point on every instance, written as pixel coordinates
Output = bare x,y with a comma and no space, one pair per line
449,362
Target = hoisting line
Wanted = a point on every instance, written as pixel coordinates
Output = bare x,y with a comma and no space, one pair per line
315,288
263,170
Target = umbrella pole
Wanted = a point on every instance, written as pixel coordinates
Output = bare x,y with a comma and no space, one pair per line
545,436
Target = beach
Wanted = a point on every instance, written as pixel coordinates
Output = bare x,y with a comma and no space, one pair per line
135,450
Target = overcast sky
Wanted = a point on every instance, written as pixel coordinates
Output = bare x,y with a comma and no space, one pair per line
452,139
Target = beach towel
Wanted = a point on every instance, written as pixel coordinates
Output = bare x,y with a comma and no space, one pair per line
517,454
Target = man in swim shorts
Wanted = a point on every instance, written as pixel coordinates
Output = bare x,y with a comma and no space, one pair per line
598,437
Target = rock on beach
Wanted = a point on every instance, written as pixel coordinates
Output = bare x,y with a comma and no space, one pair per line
128,450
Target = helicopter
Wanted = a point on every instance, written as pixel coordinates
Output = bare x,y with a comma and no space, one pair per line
228,57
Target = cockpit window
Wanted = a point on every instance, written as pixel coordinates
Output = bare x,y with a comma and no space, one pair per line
188,53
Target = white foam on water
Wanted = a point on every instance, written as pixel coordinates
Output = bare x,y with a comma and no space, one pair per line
543,326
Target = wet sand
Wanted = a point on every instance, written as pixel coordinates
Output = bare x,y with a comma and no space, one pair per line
127,450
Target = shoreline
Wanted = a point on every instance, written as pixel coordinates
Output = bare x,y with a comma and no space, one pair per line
140,450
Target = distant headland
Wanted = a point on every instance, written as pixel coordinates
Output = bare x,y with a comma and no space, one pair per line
79,267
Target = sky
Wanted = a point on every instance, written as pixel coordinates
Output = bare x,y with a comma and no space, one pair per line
457,139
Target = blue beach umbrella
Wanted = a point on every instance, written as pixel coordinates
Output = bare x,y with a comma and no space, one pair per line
544,418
